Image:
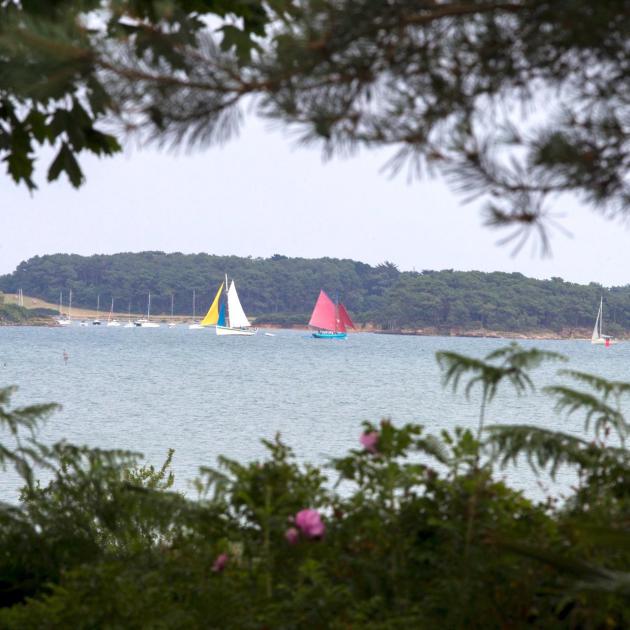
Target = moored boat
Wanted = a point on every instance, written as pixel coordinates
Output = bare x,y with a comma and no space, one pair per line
96,321
146,323
195,324
111,320
64,320
598,337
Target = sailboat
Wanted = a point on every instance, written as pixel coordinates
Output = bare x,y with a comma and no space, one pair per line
97,321
63,320
111,320
129,323
147,323
598,337
330,319
228,316
195,325
172,323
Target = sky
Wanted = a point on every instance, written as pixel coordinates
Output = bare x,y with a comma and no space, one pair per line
260,195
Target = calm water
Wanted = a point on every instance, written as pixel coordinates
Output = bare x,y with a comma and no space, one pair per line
150,389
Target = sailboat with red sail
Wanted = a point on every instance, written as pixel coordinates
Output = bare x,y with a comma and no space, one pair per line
330,319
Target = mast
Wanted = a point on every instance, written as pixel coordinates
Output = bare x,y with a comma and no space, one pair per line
601,314
172,301
193,305
149,307
227,305
60,302
70,305
98,304
111,311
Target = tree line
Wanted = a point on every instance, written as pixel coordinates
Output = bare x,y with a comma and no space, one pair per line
283,290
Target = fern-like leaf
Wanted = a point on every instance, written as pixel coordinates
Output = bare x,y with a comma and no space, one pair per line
596,411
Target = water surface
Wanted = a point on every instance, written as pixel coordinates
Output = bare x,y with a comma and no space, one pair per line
149,390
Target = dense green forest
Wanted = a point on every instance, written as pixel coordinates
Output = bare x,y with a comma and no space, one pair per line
283,290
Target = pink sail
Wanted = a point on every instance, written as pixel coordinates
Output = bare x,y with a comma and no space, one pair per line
344,317
324,314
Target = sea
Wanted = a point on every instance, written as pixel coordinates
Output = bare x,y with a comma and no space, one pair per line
148,390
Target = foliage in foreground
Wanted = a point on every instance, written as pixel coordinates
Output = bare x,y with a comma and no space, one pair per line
451,86
419,533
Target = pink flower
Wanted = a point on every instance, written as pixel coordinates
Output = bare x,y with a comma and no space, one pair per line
292,535
310,523
369,441
220,562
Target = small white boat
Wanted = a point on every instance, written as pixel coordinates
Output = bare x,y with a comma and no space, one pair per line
129,323
172,324
269,335
195,325
83,323
63,320
97,321
598,337
111,320
146,323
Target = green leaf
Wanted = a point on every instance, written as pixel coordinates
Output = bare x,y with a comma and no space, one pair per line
65,161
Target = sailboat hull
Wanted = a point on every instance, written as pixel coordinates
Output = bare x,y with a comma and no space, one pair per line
244,332
143,323
329,335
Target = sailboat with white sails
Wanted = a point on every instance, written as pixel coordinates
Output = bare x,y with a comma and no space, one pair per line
598,337
227,315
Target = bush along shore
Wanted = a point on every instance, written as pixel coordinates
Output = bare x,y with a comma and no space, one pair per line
14,315
424,534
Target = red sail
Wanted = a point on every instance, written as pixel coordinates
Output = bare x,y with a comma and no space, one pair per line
339,325
344,317
324,314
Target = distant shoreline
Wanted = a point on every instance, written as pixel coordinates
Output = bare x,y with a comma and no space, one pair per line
429,331
540,335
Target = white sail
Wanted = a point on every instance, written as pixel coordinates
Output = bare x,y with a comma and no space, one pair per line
597,329
237,316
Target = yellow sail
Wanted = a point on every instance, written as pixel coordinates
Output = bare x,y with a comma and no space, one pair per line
212,316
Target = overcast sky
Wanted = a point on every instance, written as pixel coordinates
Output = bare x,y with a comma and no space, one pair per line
259,195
